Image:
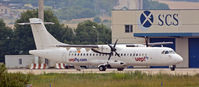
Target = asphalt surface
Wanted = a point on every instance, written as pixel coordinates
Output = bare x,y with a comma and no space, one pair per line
183,71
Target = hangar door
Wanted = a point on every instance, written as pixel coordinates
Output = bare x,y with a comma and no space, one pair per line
152,40
193,52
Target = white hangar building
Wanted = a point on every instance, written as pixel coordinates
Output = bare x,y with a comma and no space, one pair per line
178,26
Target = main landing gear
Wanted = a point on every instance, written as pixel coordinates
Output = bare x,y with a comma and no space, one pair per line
172,67
120,69
103,68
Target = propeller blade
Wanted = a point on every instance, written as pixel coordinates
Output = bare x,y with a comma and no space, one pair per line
117,54
115,43
96,51
109,57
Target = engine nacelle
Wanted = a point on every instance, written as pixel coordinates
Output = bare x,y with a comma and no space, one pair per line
116,64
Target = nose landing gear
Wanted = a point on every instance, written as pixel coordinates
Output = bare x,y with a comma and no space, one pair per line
172,67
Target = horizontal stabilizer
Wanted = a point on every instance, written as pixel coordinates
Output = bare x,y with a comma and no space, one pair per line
35,23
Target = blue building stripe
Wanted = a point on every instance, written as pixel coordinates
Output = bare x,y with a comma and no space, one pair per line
165,34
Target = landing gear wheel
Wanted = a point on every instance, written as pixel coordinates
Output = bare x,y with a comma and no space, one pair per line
102,68
120,69
173,67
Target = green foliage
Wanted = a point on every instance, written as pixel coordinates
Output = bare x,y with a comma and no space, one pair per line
12,79
89,32
149,4
74,9
131,79
6,35
75,12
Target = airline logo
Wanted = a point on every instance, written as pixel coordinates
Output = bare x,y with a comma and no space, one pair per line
146,19
141,59
77,59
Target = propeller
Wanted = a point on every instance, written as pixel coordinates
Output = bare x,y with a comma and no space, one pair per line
113,50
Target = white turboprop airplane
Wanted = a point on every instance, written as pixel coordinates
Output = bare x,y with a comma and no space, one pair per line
103,56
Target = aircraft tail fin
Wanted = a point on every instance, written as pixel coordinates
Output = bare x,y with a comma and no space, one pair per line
43,39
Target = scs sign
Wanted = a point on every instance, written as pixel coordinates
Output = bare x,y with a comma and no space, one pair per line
147,19
168,19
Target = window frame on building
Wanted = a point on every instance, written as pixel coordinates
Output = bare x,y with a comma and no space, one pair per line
128,28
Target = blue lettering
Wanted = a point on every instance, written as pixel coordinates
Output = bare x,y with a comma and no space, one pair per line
166,20
175,17
161,23
76,59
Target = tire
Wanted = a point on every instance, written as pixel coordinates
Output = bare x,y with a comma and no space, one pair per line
173,67
102,68
120,69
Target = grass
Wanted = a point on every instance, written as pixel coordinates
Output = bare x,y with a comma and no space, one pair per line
134,79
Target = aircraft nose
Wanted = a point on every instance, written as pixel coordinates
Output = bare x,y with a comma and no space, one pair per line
179,59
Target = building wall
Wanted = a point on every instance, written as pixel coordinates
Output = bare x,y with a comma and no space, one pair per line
119,20
164,21
178,24
182,48
4,10
12,61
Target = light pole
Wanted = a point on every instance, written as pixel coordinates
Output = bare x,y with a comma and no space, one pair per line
41,9
96,32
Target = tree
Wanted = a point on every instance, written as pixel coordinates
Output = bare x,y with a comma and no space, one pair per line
6,34
23,35
12,79
89,32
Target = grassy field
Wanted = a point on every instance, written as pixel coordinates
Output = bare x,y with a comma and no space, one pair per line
135,79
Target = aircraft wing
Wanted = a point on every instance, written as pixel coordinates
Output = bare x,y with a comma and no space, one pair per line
79,46
159,43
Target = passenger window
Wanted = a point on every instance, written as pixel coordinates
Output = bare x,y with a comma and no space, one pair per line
166,52
124,54
163,52
136,54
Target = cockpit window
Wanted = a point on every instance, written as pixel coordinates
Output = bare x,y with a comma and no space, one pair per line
168,52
